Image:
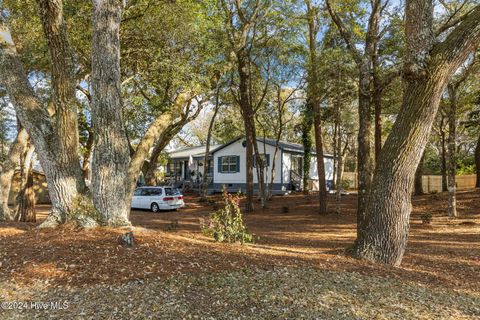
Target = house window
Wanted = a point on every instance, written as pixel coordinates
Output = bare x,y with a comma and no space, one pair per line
228,164
265,158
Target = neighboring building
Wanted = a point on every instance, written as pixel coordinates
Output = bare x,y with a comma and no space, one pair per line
227,166
39,187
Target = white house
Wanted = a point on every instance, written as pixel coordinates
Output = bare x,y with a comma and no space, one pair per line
227,166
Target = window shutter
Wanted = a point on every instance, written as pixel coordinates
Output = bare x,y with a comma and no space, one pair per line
219,169
238,163
267,157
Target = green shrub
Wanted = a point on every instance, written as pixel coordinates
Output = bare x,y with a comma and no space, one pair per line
226,224
345,184
83,212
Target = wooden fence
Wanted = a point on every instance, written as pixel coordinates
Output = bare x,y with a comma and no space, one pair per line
431,184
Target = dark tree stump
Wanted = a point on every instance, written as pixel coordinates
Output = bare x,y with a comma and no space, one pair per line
127,240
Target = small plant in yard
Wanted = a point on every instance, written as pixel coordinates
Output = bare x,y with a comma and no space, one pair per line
226,224
174,225
83,212
426,218
345,184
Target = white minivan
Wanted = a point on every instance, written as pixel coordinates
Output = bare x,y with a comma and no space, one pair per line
157,198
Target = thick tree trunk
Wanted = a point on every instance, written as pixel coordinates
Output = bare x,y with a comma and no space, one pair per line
452,165
428,67
477,162
17,149
418,178
149,168
57,147
111,155
384,232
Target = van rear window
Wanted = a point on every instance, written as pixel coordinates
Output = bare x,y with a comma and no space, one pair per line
154,192
171,191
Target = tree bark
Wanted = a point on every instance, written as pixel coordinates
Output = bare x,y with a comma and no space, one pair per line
25,201
377,103
111,155
313,98
307,123
428,67
452,164
443,155
365,161
163,140
56,144
86,156
477,162
17,149
248,120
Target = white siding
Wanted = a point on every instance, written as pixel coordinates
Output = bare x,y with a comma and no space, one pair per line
328,162
287,164
328,168
283,165
236,149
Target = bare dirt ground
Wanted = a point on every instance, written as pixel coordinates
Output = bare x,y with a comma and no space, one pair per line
294,253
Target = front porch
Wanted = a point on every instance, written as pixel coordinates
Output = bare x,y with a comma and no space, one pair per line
187,173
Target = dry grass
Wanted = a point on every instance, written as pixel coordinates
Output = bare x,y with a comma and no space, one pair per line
442,262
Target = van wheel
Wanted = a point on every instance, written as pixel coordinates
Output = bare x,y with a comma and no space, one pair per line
154,207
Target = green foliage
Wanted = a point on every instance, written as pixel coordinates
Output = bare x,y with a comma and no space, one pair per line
226,224
307,139
345,184
83,212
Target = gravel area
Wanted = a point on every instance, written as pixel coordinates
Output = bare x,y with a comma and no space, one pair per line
280,293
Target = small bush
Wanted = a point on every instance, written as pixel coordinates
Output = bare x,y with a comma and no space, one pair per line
426,218
226,224
174,225
345,184
83,212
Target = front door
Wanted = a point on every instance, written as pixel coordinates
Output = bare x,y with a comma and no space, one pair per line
297,164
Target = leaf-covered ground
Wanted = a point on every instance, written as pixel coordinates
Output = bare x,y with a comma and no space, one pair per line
296,269
280,293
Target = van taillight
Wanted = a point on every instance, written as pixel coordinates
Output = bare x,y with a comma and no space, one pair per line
180,198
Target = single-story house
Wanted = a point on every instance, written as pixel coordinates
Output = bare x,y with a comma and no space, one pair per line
227,166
